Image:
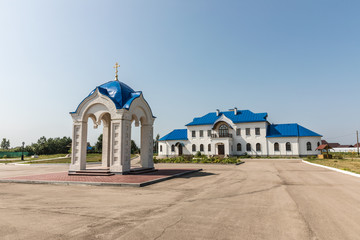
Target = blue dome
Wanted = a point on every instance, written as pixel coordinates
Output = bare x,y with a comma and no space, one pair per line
121,94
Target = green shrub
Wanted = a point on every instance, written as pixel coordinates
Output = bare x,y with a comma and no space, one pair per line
198,154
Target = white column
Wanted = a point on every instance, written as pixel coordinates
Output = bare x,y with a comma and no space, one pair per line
106,144
79,146
146,152
120,142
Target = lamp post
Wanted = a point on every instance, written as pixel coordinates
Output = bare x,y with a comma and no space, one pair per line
22,151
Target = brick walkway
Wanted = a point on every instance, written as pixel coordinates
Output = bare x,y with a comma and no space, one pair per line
131,180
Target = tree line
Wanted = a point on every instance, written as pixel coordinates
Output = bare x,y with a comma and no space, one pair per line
43,146
46,146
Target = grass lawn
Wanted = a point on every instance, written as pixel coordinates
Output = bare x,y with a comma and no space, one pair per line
91,157
351,165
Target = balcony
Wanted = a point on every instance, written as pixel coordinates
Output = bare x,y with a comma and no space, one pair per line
223,135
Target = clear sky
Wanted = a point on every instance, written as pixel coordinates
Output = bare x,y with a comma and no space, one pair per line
297,60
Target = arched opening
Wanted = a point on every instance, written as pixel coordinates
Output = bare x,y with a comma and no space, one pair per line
221,149
288,146
238,147
248,147
180,148
135,143
308,146
193,148
141,140
97,142
258,147
276,147
223,130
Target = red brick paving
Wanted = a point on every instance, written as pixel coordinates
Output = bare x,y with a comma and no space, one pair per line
141,178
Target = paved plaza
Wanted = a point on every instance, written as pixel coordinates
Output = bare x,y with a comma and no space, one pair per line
134,180
261,199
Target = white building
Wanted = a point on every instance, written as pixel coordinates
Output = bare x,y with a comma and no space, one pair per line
235,132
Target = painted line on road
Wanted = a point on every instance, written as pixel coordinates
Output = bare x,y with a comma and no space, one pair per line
334,169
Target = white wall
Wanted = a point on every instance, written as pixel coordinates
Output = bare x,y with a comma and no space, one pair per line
314,144
252,138
294,141
298,144
166,148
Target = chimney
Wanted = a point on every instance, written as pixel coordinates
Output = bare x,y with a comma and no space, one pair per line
235,110
217,112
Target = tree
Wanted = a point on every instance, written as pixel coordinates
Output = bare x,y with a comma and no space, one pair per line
99,143
134,148
5,144
156,143
51,145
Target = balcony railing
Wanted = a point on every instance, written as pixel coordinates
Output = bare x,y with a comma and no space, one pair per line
223,135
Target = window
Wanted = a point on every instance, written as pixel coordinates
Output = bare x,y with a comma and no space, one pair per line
194,148
173,148
258,147
238,147
160,148
308,146
238,131
209,133
288,146
318,144
201,133
223,131
247,131
276,147
209,147
193,134
257,131
201,148
248,147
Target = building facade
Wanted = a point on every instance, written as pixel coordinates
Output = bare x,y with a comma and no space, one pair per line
239,132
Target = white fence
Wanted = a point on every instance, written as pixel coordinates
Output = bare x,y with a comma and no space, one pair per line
351,149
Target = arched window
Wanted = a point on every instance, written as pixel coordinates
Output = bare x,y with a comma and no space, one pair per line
288,146
173,148
209,147
248,147
276,146
308,146
194,148
258,147
318,143
223,131
201,148
238,147
160,148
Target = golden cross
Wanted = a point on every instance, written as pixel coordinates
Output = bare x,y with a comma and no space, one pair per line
116,71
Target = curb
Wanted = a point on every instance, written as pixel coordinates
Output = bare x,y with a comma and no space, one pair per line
333,169
143,184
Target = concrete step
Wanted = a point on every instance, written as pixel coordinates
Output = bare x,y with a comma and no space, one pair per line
92,172
136,171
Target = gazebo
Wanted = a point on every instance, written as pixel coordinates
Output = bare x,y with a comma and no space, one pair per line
324,149
115,105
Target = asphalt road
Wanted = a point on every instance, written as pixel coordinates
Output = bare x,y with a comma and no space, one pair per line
261,199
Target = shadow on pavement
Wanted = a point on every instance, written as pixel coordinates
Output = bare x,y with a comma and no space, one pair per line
197,174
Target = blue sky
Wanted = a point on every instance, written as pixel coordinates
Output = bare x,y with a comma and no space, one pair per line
297,60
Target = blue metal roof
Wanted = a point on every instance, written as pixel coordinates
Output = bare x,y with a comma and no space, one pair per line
241,116
121,94
289,130
177,134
